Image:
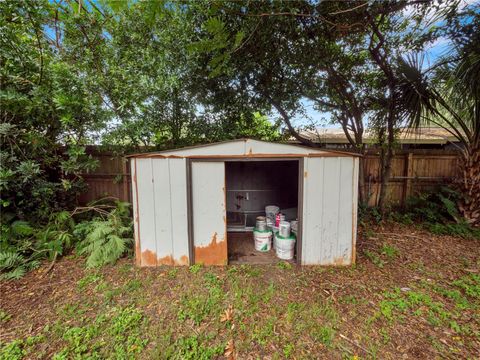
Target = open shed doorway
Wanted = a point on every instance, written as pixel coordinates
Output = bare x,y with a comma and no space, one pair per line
250,187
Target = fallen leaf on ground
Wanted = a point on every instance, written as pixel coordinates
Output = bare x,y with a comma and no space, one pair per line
227,315
230,350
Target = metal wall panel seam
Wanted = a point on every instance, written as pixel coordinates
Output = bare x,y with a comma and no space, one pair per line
322,225
304,211
138,247
300,177
154,212
173,255
339,211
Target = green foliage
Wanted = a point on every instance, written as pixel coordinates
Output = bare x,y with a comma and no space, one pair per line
88,279
105,240
197,307
22,247
324,334
374,258
384,255
288,349
194,269
191,348
102,239
396,303
4,316
12,351
438,205
46,112
122,327
367,214
284,265
438,211
389,251
469,284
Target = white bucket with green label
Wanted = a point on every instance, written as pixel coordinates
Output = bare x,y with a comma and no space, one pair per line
285,246
263,240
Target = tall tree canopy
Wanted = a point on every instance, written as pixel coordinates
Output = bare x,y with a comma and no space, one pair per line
167,74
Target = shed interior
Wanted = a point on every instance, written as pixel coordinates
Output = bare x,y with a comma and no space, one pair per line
250,186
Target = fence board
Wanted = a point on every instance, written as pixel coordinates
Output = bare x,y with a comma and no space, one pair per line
413,171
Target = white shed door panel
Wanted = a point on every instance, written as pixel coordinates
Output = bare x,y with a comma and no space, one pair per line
160,210
329,211
209,213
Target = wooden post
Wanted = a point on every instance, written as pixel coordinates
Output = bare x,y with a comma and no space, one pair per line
407,192
125,176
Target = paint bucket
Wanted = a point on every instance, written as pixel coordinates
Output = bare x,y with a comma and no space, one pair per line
279,217
275,232
271,211
284,229
261,223
263,240
285,247
294,226
270,223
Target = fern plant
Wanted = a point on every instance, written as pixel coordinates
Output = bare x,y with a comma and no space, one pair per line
23,246
17,255
105,239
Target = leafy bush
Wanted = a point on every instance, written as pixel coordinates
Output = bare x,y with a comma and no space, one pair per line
435,206
105,239
437,210
22,247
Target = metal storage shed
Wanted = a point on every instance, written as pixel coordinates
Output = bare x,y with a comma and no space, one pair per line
180,200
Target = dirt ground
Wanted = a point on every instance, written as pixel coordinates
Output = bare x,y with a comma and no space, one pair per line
411,295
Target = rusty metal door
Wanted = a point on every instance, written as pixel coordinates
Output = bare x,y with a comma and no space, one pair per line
209,212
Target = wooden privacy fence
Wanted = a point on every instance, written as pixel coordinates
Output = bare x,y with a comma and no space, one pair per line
110,178
413,171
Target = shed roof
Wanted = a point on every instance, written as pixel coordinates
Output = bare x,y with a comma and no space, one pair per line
245,148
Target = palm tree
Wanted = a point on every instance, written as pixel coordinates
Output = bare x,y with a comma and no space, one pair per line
448,96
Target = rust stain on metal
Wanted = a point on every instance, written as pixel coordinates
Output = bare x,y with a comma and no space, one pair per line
138,259
214,253
339,261
183,260
169,260
149,258
305,174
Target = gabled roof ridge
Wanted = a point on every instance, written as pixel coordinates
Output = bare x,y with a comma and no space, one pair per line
312,150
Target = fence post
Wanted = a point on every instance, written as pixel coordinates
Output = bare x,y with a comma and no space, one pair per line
407,192
125,179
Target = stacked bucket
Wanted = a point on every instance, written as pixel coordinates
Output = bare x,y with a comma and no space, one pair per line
274,225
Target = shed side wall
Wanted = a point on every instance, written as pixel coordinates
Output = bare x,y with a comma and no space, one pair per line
328,214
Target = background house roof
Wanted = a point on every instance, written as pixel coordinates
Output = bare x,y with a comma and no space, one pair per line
426,135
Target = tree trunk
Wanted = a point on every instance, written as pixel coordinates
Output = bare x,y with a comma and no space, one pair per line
469,205
386,172
387,157
362,194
